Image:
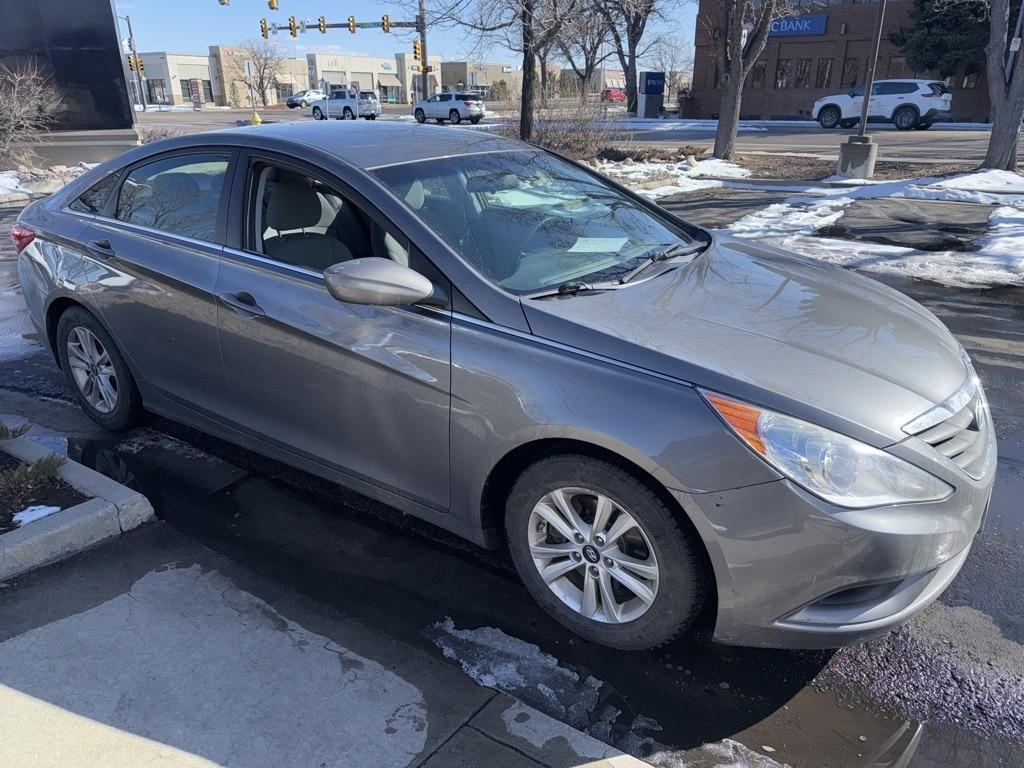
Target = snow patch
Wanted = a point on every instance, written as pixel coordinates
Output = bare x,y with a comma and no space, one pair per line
10,187
796,217
540,729
721,754
496,660
33,513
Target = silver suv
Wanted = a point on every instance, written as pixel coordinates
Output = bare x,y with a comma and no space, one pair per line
344,105
453,106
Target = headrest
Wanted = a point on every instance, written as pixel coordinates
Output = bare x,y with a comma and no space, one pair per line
293,205
416,195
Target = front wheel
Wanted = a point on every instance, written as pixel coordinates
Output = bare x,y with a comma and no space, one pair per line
98,374
304,104
317,114
454,117
905,118
829,117
603,553
348,114
420,117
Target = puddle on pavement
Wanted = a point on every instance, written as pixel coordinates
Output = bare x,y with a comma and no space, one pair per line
663,705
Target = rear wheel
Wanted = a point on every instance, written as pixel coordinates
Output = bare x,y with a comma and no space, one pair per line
829,117
905,118
602,553
420,117
348,114
454,117
317,114
97,372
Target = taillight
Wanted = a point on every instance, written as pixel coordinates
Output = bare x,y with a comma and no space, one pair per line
21,236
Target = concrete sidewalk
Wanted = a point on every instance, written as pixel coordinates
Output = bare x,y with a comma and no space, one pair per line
155,650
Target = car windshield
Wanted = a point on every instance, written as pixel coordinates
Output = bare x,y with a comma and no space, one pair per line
530,222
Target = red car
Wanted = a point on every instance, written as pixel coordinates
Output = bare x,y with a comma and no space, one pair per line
613,94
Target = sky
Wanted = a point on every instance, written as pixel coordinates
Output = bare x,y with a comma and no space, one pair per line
191,26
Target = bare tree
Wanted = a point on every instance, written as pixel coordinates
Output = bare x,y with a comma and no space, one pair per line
739,29
673,55
267,59
28,101
627,22
582,44
1006,96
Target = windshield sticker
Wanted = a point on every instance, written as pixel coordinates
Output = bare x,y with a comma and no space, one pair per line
598,244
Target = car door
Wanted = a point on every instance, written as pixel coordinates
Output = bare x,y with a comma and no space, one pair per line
432,105
883,100
158,242
361,389
854,104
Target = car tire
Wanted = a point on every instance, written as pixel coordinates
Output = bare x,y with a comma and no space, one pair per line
420,117
317,114
371,117
76,326
905,118
454,117
829,117
348,114
655,538
304,104
474,120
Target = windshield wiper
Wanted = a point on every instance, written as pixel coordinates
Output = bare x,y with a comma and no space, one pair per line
679,249
573,287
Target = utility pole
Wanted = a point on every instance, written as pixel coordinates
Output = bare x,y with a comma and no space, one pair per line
421,27
135,56
857,155
870,80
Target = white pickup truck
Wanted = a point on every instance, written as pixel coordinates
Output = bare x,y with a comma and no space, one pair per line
343,105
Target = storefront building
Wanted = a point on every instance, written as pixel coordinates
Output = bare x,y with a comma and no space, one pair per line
393,78
810,55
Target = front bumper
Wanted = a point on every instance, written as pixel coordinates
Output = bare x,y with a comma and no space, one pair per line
793,571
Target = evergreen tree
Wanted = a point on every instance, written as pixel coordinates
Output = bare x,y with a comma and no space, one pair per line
943,37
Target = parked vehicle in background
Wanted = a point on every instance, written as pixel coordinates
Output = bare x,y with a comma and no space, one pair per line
305,98
344,105
482,334
453,106
613,94
906,104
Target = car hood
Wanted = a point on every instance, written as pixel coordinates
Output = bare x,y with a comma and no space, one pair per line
776,329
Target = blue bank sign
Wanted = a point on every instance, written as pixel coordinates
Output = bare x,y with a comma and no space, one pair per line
799,25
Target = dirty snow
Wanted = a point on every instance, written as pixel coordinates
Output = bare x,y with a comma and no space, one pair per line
33,513
10,187
722,754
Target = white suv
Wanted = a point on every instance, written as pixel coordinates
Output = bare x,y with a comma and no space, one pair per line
343,105
451,106
904,103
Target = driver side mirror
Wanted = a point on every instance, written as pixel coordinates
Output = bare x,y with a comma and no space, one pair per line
376,281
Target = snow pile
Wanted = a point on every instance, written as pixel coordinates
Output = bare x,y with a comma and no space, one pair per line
794,217
497,660
722,754
985,181
685,175
10,187
31,514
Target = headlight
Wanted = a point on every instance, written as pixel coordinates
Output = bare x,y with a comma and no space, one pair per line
843,471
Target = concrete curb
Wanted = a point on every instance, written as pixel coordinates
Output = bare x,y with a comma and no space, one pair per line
112,510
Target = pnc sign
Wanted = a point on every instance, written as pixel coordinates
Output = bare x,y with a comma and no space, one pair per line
813,24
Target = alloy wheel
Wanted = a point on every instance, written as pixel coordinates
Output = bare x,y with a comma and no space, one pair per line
92,369
593,555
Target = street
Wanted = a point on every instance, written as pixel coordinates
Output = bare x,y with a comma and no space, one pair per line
945,690
931,146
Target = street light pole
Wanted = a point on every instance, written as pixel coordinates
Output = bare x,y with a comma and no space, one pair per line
421,28
135,57
869,81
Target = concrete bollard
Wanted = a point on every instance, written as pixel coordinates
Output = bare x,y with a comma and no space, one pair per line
857,158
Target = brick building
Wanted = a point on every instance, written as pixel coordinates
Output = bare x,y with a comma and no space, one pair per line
827,51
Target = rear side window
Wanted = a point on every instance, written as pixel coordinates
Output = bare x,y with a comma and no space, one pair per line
179,195
938,89
93,199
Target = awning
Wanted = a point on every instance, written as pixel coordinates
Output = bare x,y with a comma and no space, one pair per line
615,82
389,80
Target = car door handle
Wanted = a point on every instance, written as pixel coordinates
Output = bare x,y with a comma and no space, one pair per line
243,303
101,248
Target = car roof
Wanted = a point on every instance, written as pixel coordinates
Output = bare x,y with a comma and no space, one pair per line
368,145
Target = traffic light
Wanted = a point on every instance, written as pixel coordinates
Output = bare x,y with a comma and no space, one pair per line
131,62
322,24
417,49
385,23
225,2
264,29
352,24
140,64
293,26
272,4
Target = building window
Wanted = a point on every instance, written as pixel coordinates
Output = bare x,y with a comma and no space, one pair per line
784,73
207,90
186,90
757,74
284,91
851,72
972,76
824,75
803,73
157,91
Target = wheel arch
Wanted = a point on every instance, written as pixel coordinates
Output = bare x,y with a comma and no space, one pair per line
56,308
507,470
830,105
908,105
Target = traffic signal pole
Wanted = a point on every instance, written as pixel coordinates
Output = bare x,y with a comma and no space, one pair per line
421,27
135,55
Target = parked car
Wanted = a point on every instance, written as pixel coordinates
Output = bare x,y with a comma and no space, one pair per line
343,105
305,98
613,94
906,104
651,416
451,106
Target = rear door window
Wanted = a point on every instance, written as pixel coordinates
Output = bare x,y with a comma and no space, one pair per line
180,195
94,198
